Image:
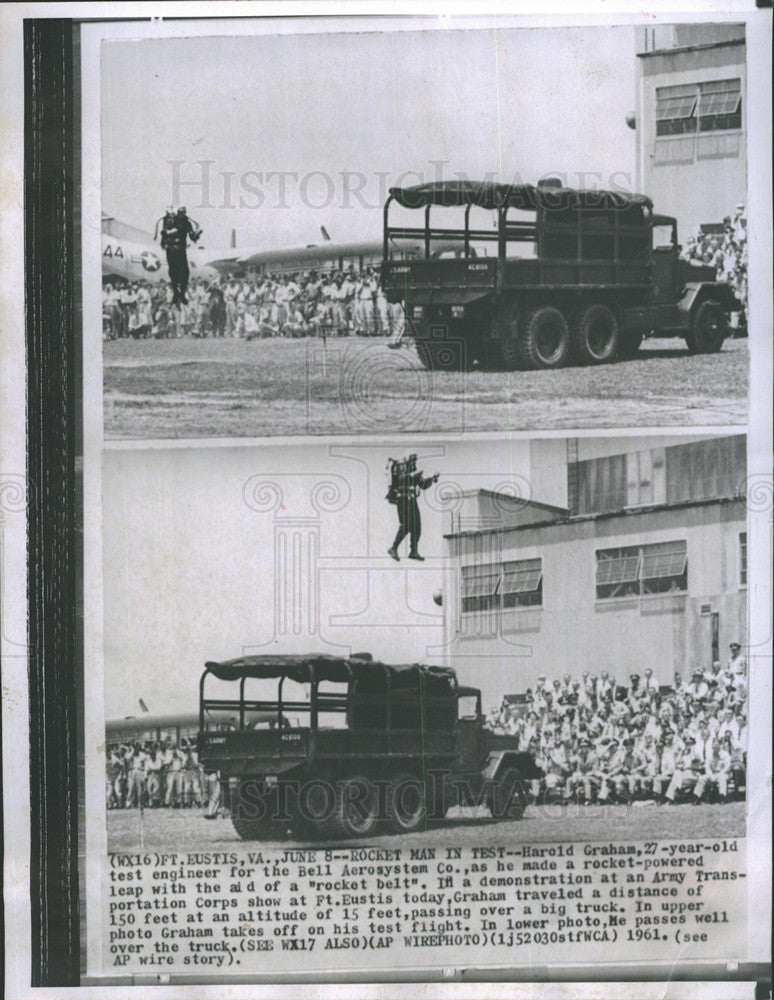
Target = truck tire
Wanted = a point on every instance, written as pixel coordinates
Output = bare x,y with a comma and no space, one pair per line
543,338
407,809
356,809
709,328
507,800
596,334
255,829
251,799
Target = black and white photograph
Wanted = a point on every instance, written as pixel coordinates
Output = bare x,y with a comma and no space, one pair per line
386,500
546,656
479,633
534,228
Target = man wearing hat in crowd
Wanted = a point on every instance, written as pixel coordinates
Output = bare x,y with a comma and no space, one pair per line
697,688
737,664
605,686
608,762
530,730
717,771
585,763
648,762
138,759
668,754
689,768
738,757
622,769
649,683
540,690
114,769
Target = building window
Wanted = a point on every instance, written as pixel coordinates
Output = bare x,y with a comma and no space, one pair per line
495,586
664,568
676,109
637,570
480,587
704,107
618,572
720,105
743,559
522,583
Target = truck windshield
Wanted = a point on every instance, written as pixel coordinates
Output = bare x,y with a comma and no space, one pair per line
467,707
663,237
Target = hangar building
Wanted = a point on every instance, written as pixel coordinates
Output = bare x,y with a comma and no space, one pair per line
640,559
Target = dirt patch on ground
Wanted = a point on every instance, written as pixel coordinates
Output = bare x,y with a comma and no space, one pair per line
231,388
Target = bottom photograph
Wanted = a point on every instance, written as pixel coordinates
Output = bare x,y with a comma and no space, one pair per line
413,704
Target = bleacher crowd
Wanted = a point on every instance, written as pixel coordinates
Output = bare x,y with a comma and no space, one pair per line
306,304
600,742
726,252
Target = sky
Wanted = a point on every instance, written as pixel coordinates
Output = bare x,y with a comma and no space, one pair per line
341,116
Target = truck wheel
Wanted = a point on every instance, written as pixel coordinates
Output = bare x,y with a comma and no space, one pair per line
253,811
709,328
355,811
250,810
544,339
406,803
255,829
596,334
507,800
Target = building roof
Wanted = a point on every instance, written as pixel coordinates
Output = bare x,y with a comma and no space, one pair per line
600,516
517,502
674,49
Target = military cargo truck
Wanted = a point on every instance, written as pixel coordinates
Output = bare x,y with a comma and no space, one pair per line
359,746
573,276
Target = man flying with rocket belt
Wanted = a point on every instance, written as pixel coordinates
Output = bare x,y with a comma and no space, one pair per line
176,227
408,482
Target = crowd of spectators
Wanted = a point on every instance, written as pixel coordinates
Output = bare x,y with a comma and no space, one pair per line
726,252
597,741
306,304
147,774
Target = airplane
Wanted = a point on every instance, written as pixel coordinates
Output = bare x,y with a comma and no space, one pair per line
135,258
133,255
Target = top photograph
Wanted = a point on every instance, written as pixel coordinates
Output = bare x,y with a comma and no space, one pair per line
423,229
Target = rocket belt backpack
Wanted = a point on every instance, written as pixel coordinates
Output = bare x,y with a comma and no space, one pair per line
397,470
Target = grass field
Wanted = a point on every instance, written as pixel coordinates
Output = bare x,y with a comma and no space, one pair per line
158,829
214,388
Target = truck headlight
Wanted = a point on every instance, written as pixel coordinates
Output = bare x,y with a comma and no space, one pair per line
458,312
416,312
